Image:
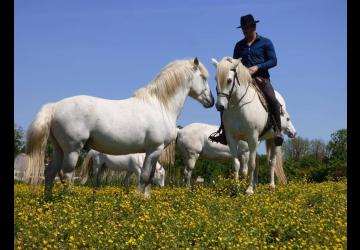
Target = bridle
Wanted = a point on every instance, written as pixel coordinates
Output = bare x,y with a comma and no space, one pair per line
228,96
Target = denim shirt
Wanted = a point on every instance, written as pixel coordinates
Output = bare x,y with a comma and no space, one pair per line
260,53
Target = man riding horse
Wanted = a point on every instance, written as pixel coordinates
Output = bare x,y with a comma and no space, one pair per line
257,53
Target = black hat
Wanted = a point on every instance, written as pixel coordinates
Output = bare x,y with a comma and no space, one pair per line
246,21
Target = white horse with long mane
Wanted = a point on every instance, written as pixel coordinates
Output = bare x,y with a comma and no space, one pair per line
192,142
144,123
244,116
96,162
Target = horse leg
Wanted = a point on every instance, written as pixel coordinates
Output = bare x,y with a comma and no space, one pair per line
53,168
257,166
137,173
244,159
234,152
252,165
127,176
236,165
69,161
272,162
148,170
233,146
189,166
98,169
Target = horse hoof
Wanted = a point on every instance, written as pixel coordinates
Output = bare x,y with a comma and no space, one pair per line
249,191
272,187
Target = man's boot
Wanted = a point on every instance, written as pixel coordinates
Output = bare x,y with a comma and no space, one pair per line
219,136
278,139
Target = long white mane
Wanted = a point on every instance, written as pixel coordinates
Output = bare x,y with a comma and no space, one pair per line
225,65
167,82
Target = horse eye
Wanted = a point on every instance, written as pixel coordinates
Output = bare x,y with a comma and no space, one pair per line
288,119
229,81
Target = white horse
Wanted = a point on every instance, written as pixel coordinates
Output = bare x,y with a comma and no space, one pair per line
193,143
96,162
244,117
144,123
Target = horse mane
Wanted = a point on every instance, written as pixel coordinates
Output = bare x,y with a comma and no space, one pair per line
169,80
225,65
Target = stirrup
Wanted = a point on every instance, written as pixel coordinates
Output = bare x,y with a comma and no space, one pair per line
218,137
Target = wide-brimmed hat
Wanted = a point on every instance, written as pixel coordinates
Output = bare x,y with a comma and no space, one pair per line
246,21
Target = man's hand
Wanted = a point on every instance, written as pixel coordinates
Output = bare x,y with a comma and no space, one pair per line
253,69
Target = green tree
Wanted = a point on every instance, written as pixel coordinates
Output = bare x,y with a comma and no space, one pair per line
296,148
317,149
337,154
19,144
337,146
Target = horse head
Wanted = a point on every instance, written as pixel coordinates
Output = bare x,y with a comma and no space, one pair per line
230,74
159,176
200,89
287,126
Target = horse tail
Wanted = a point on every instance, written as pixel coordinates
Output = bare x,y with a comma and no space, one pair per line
177,134
86,167
36,140
279,170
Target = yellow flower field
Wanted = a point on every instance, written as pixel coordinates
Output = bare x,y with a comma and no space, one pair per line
294,216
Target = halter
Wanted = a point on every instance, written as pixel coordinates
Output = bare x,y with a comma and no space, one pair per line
228,96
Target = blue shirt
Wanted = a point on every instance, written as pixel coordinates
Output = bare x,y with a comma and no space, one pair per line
260,53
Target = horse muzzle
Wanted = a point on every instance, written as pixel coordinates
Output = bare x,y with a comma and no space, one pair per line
292,135
211,102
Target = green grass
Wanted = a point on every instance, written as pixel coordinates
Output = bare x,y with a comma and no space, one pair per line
294,216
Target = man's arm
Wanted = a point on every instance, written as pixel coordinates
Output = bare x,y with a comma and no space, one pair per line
270,57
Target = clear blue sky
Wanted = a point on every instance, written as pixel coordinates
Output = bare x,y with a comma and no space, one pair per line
111,48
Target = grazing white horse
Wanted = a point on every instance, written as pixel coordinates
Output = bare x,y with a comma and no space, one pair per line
193,142
20,166
96,162
144,123
244,116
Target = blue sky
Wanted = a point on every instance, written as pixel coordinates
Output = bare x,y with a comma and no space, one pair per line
111,48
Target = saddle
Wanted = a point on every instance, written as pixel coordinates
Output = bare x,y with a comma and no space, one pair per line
258,83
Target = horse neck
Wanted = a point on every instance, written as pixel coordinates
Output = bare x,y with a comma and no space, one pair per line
248,99
244,94
177,101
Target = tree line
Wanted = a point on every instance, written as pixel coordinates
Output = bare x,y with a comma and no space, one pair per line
312,160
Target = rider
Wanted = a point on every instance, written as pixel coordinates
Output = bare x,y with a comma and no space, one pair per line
258,54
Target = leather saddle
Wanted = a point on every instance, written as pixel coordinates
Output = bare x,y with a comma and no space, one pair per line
258,84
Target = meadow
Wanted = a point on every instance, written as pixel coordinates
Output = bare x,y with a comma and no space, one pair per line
297,215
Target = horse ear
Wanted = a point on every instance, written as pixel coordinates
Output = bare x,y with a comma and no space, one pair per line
236,62
196,62
214,62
